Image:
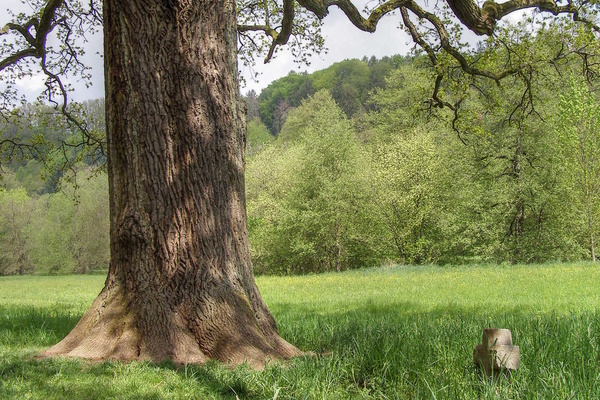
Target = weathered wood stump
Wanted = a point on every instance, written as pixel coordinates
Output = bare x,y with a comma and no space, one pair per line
496,353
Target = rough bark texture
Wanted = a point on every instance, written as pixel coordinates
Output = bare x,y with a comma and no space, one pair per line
473,17
180,284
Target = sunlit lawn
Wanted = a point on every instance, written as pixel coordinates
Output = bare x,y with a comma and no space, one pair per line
397,332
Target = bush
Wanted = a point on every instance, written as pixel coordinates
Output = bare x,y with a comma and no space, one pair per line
309,196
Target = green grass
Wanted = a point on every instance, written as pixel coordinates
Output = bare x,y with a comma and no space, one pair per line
393,333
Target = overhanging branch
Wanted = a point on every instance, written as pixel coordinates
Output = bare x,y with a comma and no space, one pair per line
70,20
37,43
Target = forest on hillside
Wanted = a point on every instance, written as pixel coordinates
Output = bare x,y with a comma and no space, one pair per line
355,166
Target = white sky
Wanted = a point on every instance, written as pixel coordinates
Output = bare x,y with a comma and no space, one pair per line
343,40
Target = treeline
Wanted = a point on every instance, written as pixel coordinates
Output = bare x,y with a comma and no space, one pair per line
53,198
353,166
55,233
517,180
350,83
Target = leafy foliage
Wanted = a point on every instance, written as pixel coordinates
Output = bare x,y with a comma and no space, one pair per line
257,24
277,98
579,150
307,195
62,232
507,176
15,217
489,182
257,137
349,82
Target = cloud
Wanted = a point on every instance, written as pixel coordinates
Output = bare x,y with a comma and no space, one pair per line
31,86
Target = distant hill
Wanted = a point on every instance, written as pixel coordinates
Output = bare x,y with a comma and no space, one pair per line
350,83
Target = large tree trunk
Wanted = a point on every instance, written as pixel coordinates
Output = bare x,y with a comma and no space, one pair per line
180,284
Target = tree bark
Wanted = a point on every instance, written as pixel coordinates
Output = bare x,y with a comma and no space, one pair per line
180,284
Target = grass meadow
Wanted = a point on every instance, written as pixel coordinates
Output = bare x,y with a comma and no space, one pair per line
389,333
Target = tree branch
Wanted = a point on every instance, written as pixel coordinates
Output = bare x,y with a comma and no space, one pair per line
454,52
369,24
38,42
35,34
16,57
286,28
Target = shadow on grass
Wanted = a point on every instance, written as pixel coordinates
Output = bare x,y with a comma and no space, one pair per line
25,331
25,325
376,351
22,376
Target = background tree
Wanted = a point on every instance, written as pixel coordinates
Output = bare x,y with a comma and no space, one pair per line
257,137
308,195
15,215
351,84
579,133
412,168
282,94
252,105
69,233
521,213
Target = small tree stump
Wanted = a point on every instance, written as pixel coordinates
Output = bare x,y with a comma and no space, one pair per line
496,352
